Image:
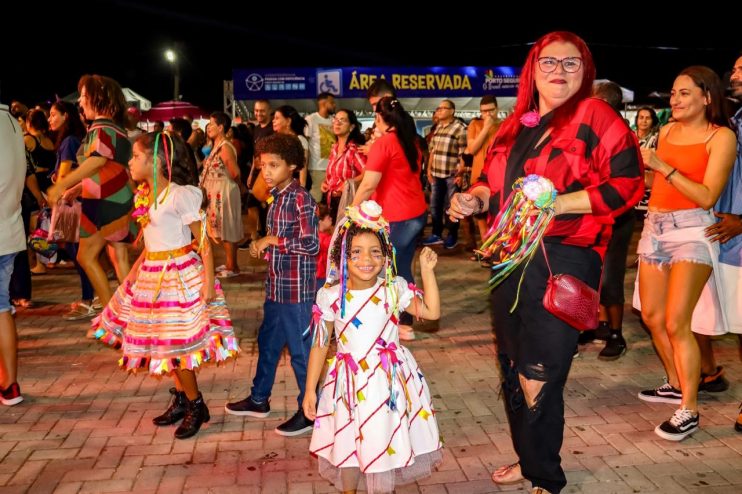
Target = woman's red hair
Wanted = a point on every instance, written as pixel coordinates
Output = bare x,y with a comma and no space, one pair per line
528,96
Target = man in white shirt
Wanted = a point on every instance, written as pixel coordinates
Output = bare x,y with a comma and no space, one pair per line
321,138
12,241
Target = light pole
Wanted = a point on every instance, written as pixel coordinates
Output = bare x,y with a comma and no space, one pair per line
172,57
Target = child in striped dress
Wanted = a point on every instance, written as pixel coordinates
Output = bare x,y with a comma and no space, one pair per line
170,315
375,422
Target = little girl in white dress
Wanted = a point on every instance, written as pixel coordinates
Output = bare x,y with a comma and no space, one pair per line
375,422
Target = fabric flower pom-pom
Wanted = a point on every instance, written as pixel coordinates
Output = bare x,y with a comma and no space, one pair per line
530,119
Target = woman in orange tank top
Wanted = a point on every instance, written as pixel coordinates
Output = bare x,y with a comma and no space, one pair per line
691,167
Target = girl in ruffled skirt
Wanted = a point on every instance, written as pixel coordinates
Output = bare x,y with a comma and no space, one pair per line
169,316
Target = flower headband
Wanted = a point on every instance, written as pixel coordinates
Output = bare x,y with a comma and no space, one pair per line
367,216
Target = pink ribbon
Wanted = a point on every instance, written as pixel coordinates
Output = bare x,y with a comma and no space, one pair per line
387,354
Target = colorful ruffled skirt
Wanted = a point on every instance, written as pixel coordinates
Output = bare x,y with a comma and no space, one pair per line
161,321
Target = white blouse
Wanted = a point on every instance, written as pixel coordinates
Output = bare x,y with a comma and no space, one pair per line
168,227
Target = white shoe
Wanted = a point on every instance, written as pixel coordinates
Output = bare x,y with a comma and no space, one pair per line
406,333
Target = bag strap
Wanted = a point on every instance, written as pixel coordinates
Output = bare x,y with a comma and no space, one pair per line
551,275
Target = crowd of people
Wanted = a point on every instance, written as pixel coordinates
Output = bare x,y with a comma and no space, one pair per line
338,218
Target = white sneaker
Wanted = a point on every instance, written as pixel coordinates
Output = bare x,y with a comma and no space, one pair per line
406,333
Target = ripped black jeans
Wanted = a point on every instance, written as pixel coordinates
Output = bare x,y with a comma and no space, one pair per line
536,345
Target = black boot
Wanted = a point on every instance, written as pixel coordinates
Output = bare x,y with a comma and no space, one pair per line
615,346
196,414
175,411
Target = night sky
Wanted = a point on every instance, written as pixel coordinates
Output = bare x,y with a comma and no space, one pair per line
126,40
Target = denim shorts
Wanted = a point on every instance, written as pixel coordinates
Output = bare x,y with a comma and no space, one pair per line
676,236
6,270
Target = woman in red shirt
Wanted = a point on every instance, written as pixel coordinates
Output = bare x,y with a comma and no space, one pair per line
392,178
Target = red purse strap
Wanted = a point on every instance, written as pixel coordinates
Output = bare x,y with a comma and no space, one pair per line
546,258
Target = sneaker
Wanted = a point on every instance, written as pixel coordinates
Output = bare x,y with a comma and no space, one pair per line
681,425
614,347
663,394
714,383
80,310
249,407
296,425
11,395
406,333
433,240
586,337
451,242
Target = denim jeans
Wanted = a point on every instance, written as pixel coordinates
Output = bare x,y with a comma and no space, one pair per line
403,235
87,289
283,324
6,269
442,189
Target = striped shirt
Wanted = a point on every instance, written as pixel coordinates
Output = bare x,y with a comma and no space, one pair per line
344,165
292,264
596,152
446,147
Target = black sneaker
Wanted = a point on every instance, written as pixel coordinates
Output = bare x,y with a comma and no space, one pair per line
614,347
663,394
249,407
681,425
714,383
11,395
586,337
296,425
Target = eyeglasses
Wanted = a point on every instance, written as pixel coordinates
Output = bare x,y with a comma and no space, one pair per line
340,120
569,64
441,108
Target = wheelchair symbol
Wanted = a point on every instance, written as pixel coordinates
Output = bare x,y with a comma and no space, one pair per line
327,86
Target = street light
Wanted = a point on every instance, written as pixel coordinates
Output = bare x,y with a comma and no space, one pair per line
171,57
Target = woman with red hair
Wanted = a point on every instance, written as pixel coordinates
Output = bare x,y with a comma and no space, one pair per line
591,156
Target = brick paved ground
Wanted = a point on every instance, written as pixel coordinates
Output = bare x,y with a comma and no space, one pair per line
86,426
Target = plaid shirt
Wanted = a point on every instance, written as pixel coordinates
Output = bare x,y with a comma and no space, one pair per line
292,264
446,147
597,152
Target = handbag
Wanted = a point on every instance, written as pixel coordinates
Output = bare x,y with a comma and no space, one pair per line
346,199
572,300
65,222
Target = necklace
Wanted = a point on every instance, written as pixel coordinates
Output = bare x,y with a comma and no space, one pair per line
141,205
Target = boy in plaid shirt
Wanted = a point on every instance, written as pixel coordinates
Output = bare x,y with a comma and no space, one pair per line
291,249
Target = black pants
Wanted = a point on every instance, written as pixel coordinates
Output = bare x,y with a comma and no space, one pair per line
614,269
537,345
